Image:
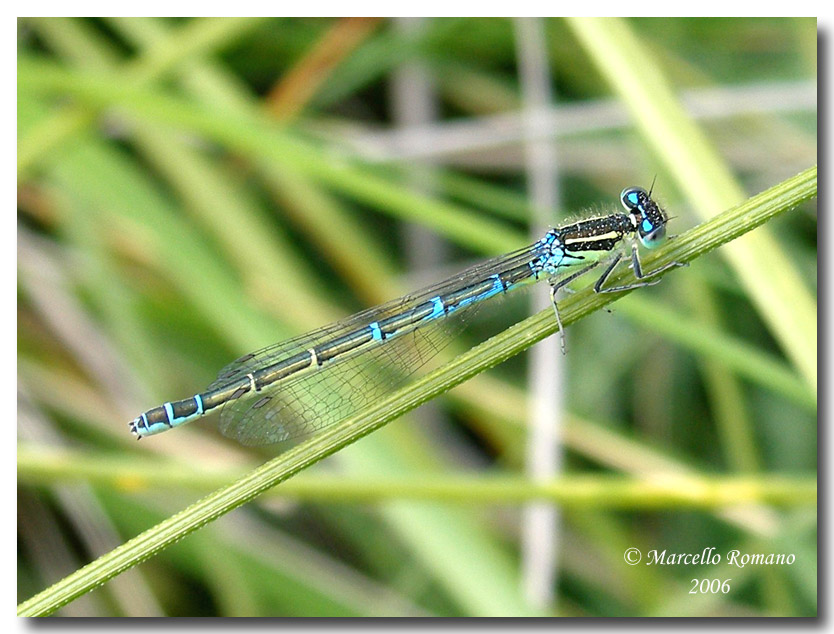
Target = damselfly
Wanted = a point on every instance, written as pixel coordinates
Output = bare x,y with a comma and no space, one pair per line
296,387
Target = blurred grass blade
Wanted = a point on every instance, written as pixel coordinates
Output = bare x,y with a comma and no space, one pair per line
699,240
197,36
759,260
259,137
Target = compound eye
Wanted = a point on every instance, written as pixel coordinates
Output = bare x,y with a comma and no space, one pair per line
631,196
654,238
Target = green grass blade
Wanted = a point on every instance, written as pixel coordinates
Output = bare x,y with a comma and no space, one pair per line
765,270
612,491
261,138
698,241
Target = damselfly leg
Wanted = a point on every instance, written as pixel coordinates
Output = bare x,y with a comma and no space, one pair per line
557,284
638,273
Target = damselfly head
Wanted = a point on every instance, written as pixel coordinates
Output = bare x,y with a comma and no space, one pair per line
648,218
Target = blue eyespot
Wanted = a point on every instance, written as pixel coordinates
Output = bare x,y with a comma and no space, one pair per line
654,238
632,196
647,225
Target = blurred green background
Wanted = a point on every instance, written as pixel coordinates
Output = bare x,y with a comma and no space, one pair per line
190,190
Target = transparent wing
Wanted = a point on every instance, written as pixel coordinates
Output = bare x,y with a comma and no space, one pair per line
298,407
284,349
316,400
